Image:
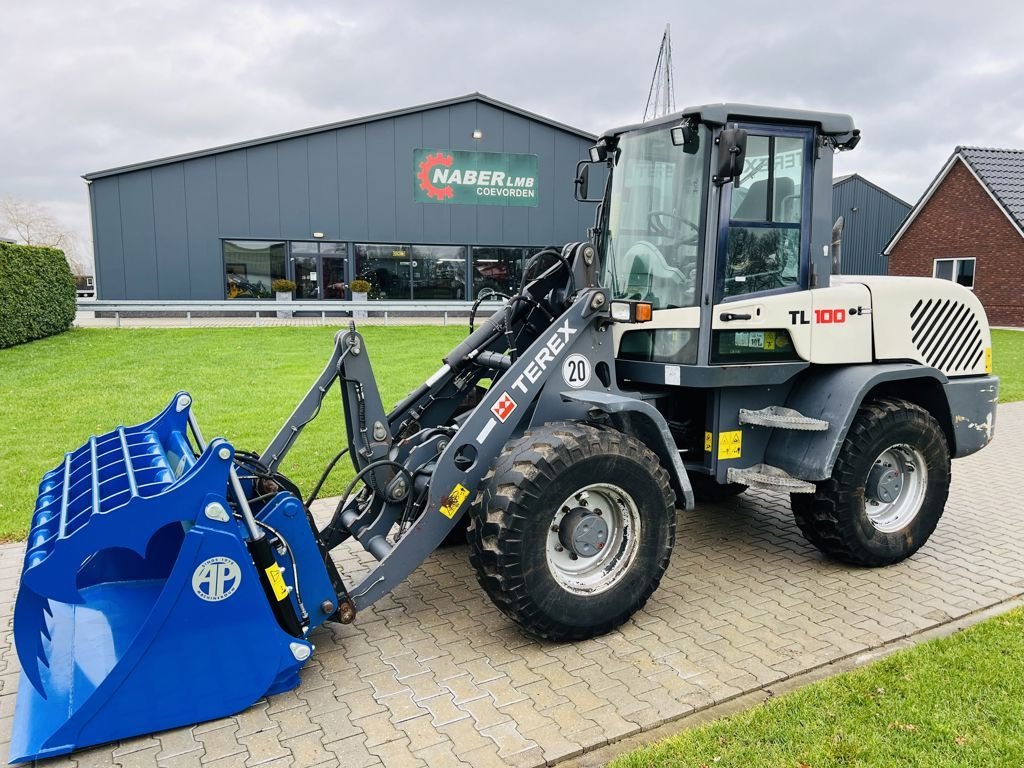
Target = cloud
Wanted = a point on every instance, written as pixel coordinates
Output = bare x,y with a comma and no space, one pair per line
96,85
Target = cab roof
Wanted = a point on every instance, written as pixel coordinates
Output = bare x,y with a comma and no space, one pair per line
829,123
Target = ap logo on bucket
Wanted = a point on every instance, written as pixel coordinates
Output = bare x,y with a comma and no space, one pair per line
216,579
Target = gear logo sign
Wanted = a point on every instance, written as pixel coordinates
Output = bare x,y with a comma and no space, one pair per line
426,166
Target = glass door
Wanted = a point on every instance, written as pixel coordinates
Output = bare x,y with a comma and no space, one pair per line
333,283
307,285
318,270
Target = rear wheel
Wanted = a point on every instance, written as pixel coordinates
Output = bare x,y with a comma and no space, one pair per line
573,529
888,487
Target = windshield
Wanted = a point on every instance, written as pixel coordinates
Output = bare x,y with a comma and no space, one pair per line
651,221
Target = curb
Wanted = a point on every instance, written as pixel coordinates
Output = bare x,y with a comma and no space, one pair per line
741,702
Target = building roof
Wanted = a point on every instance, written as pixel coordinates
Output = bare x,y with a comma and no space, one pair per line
1000,172
851,176
342,124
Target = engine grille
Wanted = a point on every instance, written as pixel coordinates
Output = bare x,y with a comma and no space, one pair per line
947,334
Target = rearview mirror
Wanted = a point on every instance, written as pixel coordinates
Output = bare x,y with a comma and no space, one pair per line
732,150
582,182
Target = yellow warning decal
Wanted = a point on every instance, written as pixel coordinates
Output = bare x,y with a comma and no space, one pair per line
453,503
277,582
709,442
988,359
769,341
730,444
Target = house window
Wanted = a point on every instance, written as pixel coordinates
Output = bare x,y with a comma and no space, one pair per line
957,270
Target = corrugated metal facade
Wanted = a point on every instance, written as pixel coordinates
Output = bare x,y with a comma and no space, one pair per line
871,217
158,228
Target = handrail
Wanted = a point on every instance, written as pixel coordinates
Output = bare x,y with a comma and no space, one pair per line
379,310
268,305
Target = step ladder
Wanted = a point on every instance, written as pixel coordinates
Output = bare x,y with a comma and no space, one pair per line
778,417
768,478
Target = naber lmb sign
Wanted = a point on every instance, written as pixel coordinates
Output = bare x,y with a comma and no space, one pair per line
474,178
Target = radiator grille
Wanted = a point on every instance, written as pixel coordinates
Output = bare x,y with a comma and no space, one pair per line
947,335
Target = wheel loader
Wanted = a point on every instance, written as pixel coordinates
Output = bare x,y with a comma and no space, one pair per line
701,342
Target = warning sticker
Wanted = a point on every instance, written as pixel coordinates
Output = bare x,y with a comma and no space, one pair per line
277,582
988,359
455,500
709,442
730,444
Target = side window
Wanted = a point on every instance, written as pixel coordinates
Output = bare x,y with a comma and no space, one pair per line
762,248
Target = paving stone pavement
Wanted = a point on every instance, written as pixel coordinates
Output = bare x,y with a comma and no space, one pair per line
433,675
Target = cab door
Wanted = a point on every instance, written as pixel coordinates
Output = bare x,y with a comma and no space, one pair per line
763,251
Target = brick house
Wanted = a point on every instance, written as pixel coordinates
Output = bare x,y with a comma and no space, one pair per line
969,227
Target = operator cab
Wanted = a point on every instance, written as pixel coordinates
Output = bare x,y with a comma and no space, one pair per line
707,207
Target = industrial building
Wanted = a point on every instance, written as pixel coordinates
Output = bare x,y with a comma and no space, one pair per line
438,201
433,202
870,217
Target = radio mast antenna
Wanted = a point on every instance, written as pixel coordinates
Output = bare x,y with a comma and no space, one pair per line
661,98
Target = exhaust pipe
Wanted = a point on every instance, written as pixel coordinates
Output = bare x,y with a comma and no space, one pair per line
837,246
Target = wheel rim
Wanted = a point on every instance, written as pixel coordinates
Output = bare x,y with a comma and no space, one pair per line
577,525
895,488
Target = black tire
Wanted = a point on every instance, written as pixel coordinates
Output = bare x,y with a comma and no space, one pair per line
706,489
836,517
522,496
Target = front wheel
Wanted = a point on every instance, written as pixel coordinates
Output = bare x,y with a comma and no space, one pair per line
888,487
573,529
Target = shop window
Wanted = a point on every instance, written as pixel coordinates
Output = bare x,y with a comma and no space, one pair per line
387,268
498,270
438,272
251,266
958,270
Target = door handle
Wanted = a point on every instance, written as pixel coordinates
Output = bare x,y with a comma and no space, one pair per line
728,317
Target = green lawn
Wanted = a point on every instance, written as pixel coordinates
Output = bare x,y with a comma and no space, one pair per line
57,392
957,701
245,381
1008,362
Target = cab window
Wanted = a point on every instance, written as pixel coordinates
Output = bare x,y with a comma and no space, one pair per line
763,237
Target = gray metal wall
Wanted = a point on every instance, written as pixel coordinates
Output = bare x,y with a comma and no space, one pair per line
158,231
868,228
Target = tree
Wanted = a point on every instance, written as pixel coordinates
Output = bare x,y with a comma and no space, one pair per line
31,224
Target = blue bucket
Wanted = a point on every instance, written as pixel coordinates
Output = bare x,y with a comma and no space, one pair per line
140,608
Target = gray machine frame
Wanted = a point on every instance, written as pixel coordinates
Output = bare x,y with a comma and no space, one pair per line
424,461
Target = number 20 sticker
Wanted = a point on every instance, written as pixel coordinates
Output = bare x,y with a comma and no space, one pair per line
576,371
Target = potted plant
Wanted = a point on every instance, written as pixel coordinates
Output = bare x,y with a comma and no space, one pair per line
283,292
360,289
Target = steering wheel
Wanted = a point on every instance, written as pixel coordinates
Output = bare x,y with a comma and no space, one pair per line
663,224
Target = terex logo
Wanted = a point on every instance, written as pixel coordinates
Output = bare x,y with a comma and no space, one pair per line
554,345
504,407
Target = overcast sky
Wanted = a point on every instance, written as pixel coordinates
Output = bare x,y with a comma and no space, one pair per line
91,85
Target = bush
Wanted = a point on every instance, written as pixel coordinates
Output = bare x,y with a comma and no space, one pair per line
37,293
359,286
282,286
